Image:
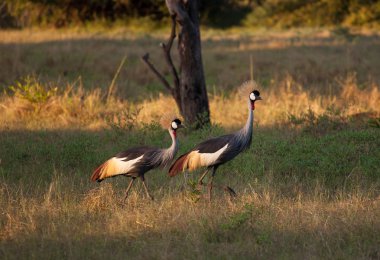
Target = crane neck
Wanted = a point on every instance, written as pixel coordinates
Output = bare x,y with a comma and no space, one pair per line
173,135
169,153
249,124
244,135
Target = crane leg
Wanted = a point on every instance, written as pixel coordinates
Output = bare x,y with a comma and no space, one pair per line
146,188
200,181
129,187
209,186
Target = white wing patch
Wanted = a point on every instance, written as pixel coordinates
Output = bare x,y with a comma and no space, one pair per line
124,166
116,166
210,158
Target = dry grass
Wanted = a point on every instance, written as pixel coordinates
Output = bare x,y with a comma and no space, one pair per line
260,224
77,108
290,98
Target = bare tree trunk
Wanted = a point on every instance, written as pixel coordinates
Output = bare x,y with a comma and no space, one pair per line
189,90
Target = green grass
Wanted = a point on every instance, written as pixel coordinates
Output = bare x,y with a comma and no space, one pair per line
46,213
330,157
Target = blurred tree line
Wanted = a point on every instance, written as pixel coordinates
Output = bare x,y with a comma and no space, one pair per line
214,13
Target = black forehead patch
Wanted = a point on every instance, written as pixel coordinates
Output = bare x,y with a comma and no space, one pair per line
256,92
177,121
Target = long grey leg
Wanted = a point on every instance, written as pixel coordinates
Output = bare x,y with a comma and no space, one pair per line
200,181
129,187
146,188
210,182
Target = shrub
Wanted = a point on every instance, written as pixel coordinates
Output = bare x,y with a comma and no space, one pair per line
32,90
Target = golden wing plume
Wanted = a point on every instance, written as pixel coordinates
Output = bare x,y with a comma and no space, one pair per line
246,88
167,119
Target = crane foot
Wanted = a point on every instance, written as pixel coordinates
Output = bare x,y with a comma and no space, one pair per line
230,191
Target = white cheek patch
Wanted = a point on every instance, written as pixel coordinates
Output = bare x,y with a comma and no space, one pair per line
174,125
252,97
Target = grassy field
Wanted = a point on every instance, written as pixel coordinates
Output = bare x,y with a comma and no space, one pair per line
309,187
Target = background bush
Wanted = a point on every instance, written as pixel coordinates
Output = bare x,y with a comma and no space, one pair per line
214,13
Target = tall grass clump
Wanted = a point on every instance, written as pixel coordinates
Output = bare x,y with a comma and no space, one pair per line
287,97
30,103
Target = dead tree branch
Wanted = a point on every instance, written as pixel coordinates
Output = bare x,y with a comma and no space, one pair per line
145,59
167,48
189,87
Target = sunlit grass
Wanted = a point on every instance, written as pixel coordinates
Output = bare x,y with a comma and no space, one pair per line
75,107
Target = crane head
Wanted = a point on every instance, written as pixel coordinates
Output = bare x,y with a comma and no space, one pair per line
253,97
175,125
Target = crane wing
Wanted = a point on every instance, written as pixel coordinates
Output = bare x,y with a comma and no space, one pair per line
122,163
213,145
206,154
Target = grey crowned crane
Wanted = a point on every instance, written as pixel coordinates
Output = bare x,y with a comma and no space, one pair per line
135,162
216,151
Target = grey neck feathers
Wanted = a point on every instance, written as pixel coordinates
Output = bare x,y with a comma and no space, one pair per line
169,153
244,135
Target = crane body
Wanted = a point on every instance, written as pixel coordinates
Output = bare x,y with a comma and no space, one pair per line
135,162
216,151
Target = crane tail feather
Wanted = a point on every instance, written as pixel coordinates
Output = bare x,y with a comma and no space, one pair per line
98,172
179,165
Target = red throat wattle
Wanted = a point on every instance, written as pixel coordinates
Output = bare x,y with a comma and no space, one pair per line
174,133
253,105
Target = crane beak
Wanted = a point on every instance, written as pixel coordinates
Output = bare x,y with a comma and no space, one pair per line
258,98
182,126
